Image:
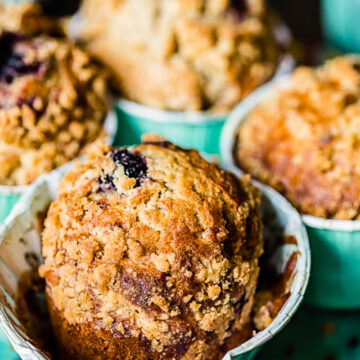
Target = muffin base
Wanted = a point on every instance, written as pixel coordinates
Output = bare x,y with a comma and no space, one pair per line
83,342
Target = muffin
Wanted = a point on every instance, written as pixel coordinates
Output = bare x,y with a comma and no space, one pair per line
183,55
304,140
52,104
150,253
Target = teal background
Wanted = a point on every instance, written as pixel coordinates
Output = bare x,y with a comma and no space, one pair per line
340,19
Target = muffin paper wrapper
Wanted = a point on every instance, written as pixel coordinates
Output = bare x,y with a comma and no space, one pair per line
335,277
335,244
19,235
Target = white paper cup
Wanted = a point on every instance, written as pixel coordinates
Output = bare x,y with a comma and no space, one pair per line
335,244
18,236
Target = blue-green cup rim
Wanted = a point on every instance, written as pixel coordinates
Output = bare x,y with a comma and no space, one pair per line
167,116
13,190
331,224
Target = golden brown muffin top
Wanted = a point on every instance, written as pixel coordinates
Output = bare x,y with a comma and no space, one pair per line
305,140
153,242
183,55
52,104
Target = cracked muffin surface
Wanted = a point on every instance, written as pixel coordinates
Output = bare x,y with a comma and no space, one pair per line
52,104
150,253
304,140
183,55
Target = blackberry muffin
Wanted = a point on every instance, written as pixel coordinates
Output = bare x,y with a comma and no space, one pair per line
52,104
305,141
150,253
183,55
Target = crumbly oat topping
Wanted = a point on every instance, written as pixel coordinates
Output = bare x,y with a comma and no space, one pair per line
183,55
305,140
166,257
52,104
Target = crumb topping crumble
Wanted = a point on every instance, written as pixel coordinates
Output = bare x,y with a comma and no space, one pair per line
171,261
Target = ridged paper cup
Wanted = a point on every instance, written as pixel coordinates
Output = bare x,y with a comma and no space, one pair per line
199,129
335,244
335,277
9,195
19,237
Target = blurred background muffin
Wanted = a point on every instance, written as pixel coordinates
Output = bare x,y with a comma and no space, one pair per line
183,55
304,140
52,97
153,250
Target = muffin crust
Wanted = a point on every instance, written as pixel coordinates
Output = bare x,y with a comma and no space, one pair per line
52,104
150,253
183,55
304,141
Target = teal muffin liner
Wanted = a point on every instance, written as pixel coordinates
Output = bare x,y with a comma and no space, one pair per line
198,130
19,235
335,277
335,244
9,195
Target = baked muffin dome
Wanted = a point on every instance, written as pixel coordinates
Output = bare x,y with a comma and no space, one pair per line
150,253
183,55
305,140
52,104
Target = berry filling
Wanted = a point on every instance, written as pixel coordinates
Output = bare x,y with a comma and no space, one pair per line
106,183
12,64
134,165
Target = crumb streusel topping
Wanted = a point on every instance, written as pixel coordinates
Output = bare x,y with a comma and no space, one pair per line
52,104
156,245
305,140
183,55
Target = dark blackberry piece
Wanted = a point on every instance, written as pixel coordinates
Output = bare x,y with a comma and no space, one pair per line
106,183
12,64
134,165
